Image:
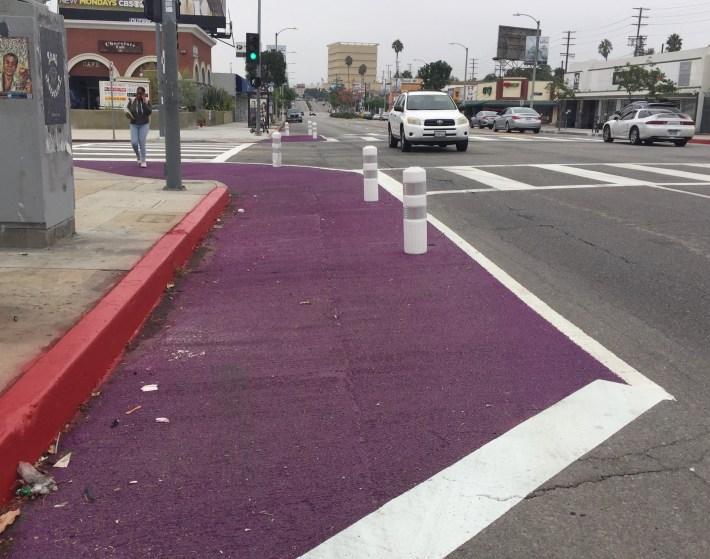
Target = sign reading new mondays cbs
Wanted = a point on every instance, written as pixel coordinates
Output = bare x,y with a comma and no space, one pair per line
208,14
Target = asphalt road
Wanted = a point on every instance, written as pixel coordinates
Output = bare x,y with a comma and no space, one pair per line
630,265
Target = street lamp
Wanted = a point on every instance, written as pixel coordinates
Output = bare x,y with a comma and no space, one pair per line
276,40
420,60
537,48
465,72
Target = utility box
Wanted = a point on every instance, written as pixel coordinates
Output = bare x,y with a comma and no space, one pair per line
37,177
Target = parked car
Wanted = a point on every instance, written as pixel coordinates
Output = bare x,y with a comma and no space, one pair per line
650,125
518,118
376,116
483,118
635,105
427,117
367,115
294,115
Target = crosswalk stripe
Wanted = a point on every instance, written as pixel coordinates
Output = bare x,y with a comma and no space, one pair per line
491,179
593,175
662,171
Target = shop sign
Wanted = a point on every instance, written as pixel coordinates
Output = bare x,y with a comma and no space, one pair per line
121,47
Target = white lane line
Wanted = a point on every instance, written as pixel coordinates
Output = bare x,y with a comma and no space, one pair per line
662,171
593,175
482,139
232,152
442,513
565,187
682,191
491,179
371,139
615,364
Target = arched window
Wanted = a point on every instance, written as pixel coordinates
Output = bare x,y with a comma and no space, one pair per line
196,72
203,76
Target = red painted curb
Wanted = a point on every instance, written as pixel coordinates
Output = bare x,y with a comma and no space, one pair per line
700,141
38,405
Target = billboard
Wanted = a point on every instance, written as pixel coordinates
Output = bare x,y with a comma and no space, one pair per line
511,42
543,49
208,14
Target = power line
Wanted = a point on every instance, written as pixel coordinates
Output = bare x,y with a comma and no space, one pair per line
640,40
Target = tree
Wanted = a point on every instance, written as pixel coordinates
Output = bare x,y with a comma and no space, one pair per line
674,42
407,74
361,70
273,68
348,63
543,74
560,72
435,75
633,78
559,88
490,77
605,48
397,47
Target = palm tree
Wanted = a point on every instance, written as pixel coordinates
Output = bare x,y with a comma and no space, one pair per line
361,70
397,47
674,42
605,48
348,63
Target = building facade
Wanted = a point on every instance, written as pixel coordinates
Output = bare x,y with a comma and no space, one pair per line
598,95
93,47
361,53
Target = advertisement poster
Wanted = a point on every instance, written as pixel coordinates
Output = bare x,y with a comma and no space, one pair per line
543,49
53,68
16,82
123,90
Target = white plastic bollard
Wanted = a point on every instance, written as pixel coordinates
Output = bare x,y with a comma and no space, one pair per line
287,132
310,127
315,131
415,217
369,173
276,149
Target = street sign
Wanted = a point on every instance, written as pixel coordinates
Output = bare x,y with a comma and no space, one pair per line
240,49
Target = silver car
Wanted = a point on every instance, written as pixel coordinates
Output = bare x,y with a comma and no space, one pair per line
518,118
483,118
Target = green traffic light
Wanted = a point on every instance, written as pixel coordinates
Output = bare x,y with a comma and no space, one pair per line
252,56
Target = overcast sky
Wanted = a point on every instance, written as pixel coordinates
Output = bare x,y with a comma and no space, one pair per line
426,28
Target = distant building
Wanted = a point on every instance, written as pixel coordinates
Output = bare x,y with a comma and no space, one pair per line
597,95
361,53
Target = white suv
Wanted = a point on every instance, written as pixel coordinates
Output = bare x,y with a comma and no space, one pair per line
427,117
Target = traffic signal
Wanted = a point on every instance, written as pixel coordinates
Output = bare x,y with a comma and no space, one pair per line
153,10
253,47
255,82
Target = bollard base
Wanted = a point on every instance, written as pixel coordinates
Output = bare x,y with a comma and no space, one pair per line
415,236
371,193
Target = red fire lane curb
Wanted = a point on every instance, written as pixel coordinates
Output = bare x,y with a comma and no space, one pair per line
37,406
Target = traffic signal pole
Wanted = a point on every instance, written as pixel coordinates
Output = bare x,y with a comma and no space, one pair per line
258,73
173,179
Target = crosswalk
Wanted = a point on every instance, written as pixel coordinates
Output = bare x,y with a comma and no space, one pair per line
190,152
688,178
382,137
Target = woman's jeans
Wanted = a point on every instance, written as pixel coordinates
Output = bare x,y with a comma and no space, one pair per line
139,133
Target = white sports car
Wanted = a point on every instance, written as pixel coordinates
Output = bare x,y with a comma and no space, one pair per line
650,125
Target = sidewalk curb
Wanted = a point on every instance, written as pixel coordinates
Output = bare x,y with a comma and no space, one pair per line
37,406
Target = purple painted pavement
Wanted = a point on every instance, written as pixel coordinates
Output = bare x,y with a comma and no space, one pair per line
311,372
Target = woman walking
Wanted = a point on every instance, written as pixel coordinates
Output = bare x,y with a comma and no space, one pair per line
139,111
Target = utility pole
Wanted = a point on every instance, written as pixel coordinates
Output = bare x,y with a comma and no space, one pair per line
567,53
159,77
473,68
173,179
640,41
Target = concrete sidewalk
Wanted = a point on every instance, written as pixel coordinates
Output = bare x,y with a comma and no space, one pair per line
232,132
45,373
